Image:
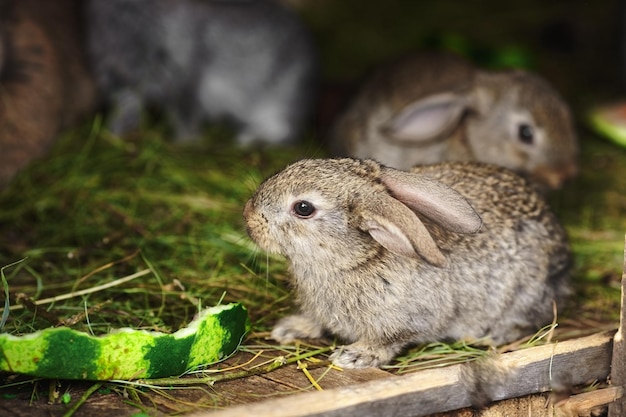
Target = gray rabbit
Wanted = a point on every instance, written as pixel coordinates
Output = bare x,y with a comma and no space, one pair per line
249,62
383,258
435,106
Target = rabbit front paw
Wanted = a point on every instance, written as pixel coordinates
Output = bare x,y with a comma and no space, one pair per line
295,327
359,355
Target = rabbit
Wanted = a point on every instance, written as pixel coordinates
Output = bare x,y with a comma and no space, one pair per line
45,86
250,62
383,258
436,106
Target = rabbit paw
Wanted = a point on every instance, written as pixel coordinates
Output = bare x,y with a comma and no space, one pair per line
362,356
295,327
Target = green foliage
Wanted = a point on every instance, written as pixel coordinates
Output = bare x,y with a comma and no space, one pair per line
100,208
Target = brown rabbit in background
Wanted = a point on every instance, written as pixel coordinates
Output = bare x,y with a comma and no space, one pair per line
436,106
383,258
44,82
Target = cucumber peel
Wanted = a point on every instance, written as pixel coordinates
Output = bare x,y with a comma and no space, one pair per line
125,354
610,121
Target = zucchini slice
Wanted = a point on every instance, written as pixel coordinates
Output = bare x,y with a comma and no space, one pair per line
610,121
125,354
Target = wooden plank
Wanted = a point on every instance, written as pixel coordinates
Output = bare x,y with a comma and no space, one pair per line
618,364
583,404
545,405
294,377
537,405
365,399
426,392
247,390
555,366
327,378
252,389
282,381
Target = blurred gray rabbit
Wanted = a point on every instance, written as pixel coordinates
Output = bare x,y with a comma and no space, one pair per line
383,258
436,106
45,86
250,62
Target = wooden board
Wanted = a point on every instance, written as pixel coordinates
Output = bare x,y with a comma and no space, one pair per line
618,365
533,370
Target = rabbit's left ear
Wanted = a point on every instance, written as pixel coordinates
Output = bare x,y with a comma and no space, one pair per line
427,119
398,229
433,199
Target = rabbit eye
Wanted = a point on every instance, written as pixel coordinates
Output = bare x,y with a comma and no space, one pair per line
526,134
303,209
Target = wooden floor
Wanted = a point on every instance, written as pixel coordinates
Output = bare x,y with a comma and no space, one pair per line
288,380
543,375
555,368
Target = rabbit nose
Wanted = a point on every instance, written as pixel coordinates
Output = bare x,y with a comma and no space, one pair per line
554,180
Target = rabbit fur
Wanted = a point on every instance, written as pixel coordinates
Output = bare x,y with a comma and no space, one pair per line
45,85
431,107
389,258
249,62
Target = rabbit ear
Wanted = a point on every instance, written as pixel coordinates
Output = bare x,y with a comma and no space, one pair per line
427,119
398,229
433,199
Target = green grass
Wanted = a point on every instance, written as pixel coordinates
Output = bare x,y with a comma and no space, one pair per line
98,209
137,204
99,202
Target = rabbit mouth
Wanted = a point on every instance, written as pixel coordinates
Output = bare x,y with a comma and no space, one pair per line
555,178
247,209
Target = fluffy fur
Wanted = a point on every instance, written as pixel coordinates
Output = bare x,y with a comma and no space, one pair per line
390,258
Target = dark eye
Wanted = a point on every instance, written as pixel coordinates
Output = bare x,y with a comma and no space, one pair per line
303,209
526,134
